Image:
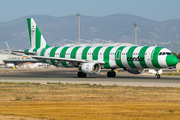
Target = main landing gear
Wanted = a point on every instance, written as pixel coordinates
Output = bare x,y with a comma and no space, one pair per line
81,74
111,73
157,76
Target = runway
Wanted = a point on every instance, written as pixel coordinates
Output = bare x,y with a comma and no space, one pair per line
123,78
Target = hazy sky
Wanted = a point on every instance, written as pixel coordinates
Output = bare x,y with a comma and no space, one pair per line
159,10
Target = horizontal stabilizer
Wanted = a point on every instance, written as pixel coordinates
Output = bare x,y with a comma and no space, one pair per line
29,53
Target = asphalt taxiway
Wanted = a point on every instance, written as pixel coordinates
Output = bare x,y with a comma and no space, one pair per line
123,78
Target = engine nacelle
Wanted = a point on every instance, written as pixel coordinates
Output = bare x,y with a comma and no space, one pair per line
91,68
135,70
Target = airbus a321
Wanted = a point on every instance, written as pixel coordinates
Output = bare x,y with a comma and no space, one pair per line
91,59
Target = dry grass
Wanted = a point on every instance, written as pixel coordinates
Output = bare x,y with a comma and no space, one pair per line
67,101
172,74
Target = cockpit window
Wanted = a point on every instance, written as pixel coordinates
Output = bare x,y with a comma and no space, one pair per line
165,53
168,53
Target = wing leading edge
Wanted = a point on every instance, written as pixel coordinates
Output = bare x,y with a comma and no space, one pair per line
65,59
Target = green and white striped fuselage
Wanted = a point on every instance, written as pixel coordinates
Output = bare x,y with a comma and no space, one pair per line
112,56
91,59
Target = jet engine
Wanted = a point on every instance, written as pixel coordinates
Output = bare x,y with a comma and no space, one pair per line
91,68
135,70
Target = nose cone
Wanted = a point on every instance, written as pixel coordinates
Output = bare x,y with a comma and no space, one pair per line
171,60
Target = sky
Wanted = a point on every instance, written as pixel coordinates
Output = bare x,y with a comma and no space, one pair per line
159,10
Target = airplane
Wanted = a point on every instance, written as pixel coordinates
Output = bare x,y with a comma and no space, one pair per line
91,59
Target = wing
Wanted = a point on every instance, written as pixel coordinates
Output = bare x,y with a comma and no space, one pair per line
65,59
32,54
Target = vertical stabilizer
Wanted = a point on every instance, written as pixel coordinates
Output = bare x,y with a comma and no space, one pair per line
36,39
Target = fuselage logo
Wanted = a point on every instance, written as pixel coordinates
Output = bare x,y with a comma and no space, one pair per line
135,58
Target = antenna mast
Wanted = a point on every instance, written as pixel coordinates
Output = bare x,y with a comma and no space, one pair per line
136,27
79,14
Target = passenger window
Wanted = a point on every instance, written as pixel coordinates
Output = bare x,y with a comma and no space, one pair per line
160,53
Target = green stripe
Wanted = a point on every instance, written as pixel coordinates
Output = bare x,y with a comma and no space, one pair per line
74,52
95,53
84,53
35,50
106,57
43,52
38,38
62,55
142,55
64,64
47,46
52,54
118,61
155,57
130,56
27,50
29,28
44,61
63,51
53,51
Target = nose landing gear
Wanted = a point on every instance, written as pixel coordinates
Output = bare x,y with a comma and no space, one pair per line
157,76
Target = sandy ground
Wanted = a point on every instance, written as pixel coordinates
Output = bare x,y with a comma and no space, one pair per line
10,117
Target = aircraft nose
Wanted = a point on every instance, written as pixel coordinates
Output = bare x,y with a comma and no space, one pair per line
171,60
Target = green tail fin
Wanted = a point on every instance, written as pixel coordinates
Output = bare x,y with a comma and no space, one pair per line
36,38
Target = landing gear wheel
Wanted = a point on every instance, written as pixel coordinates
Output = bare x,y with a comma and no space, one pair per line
158,76
81,74
111,74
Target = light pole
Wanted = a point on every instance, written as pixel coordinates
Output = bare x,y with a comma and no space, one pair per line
79,14
136,26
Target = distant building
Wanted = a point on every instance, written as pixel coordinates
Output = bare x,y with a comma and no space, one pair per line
18,59
6,57
3,57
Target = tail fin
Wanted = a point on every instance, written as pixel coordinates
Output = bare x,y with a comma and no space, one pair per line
36,39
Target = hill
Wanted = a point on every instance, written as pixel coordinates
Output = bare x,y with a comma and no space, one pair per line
117,27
